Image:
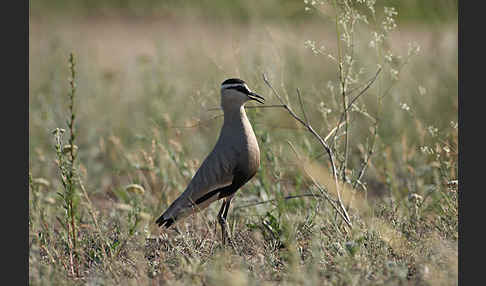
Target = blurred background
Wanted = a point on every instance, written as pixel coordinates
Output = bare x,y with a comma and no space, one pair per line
150,65
243,12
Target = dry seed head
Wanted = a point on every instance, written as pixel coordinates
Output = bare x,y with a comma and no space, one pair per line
58,131
124,207
66,149
177,146
145,215
135,188
415,198
114,140
41,182
166,118
50,200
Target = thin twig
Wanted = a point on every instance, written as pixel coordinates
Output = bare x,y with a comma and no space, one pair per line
367,159
302,106
321,141
249,107
199,123
203,122
346,126
370,82
274,200
323,192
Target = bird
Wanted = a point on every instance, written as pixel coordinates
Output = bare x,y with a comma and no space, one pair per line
233,161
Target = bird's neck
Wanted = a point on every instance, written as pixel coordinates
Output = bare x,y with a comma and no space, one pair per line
234,114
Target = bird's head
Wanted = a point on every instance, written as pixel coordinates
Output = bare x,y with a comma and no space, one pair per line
235,92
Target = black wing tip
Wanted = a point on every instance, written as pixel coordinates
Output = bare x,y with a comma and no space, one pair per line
165,222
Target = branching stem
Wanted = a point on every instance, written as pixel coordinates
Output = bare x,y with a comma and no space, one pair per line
323,144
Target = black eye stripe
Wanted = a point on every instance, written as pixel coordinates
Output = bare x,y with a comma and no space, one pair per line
242,89
239,87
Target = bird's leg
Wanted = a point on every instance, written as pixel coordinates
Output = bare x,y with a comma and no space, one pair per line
228,201
222,221
225,214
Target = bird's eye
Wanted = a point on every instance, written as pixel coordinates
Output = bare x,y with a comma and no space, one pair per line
239,87
242,89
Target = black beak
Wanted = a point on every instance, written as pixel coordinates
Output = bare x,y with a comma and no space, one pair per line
256,97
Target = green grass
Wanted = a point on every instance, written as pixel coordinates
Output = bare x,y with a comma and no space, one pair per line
143,90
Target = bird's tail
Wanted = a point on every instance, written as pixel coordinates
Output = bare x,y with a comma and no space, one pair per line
166,222
173,213
183,207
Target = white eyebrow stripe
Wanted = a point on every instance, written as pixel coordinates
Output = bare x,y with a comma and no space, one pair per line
228,85
232,85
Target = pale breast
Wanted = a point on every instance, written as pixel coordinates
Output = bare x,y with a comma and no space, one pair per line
250,159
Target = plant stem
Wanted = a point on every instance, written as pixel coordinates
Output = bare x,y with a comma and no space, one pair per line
323,144
72,157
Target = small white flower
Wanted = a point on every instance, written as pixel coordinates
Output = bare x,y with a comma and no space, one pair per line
378,38
331,57
426,150
390,11
330,86
348,59
422,90
394,73
433,130
404,106
309,43
389,56
413,48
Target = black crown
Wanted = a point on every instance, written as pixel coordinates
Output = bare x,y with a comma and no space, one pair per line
233,81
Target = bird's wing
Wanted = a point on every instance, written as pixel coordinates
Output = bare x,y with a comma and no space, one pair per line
214,173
